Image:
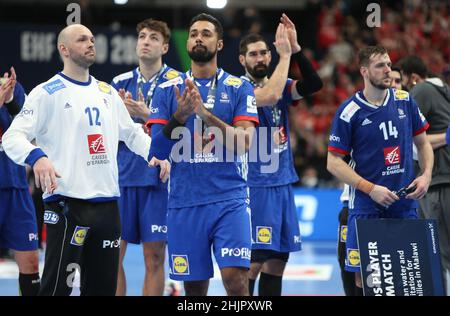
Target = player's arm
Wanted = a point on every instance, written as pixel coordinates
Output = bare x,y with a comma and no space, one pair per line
236,138
426,161
273,89
437,140
341,170
17,142
311,81
163,139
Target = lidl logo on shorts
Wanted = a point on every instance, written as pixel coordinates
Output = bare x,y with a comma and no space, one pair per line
263,235
353,257
50,217
343,233
79,235
180,264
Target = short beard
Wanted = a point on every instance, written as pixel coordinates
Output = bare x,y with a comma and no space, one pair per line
201,56
380,85
257,73
83,61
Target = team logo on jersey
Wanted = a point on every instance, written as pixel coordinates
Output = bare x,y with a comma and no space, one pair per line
54,86
263,235
180,264
401,95
224,98
96,144
79,235
171,74
104,87
353,257
391,155
343,233
401,113
51,217
233,81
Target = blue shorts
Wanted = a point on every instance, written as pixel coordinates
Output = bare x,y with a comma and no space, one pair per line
275,223
352,260
18,226
193,230
143,214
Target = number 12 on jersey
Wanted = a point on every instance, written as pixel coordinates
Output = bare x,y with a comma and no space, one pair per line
391,128
88,111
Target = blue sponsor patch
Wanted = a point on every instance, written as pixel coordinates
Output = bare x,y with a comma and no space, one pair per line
51,217
54,86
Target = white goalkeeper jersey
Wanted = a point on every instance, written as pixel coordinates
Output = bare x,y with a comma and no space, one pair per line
77,125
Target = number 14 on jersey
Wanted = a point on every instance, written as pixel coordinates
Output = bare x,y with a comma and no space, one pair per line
388,131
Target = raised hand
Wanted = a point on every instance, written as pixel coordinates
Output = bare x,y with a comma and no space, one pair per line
136,108
292,33
186,106
7,87
282,43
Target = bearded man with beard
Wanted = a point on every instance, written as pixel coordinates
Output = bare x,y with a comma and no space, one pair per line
219,113
77,122
275,228
377,127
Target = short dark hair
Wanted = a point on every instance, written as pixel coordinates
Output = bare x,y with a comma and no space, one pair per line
250,39
365,53
211,19
413,64
155,25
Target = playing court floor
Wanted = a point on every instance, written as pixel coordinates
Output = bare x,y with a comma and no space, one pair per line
312,271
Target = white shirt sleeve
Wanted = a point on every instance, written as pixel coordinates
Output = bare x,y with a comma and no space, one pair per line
130,132
17,139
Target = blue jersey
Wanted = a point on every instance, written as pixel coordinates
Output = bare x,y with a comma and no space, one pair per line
207,176
277,141
379,140
133,170
11,174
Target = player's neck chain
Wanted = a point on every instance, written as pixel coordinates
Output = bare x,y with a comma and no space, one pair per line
154,81
211,98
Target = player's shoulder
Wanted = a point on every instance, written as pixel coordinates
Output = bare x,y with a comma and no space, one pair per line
172,82
50,87
232,81
123,77
348,109
400,95
104,87
171,73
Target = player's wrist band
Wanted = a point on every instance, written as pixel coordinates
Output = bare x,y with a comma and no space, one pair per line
365,186
170,126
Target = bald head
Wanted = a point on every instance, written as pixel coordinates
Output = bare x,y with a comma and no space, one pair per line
76,42
70,32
